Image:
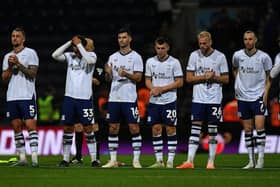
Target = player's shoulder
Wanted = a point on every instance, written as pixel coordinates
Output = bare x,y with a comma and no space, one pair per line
263,53
239,52
218,52
29,50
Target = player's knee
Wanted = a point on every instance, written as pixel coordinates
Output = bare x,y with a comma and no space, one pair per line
170,130
88,128
114,129
157,129
68,129
30,124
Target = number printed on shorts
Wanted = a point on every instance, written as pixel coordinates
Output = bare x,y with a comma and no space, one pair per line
217,111
88,112
31,110
134,111
171,114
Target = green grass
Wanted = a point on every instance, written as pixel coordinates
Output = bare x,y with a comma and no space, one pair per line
228,173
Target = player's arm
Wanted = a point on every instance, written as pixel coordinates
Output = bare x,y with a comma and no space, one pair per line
222,79
30,71
108,72
158,90
197,79
135,77
267,87
275,70
85,54
6,75
58,53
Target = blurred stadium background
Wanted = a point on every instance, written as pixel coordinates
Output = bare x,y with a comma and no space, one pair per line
49,24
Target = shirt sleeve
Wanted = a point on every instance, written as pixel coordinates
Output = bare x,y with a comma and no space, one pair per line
235,62
224,65
267,63
5,65
138,65
33,58
148,72
177,69
191,63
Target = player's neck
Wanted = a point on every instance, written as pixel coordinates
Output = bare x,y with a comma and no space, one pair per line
251,52
163,58
18,48
125,50
208,52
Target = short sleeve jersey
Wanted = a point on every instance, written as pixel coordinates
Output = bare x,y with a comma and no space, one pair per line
122,88
20,87
251,74
163,73
199,64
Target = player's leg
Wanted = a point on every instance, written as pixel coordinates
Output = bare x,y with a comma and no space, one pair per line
91,142
67,119
172,145
77,159
113,117
97,134
198,111
132,116
260,127
154,120
169,116
214,116
245,114
15,117
29,111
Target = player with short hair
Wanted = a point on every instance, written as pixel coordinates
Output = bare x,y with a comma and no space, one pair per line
207,70
77,106
124,68
251,68
163,76
97,80
19,71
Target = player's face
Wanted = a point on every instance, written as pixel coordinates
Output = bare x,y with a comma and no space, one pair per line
124,39
17,38
161,50
204,44
250,40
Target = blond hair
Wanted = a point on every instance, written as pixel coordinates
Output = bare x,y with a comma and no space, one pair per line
90,44
203,34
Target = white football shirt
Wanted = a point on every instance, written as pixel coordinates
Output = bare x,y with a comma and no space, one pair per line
79,76
20,87
123,89
251,74
200,64
163,73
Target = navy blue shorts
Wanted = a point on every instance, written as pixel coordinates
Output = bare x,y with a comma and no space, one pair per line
210,112
22,109
162,114
249,109
77,111
122,110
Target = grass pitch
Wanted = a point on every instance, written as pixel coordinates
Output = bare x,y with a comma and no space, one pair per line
228,172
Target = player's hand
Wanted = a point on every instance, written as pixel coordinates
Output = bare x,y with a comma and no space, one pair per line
209,75
76,40
122,72
13,60
156,91
95,81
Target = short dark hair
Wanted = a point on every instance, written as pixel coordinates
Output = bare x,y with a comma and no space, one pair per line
125,29
161,40
20,29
